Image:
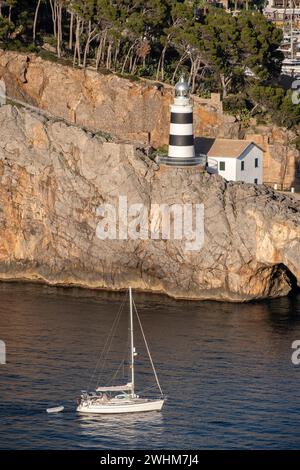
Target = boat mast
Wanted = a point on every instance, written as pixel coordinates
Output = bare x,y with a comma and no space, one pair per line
131,343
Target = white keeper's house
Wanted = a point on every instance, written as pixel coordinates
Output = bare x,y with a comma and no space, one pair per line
235,160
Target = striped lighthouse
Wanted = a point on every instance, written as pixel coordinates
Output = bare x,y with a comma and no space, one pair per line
181,140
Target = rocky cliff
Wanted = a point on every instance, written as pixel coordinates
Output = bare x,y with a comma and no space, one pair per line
132,110
137,110
54,177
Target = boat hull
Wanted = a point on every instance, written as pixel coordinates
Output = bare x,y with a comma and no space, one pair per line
116,408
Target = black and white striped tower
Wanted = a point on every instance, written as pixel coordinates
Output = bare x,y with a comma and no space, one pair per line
181,141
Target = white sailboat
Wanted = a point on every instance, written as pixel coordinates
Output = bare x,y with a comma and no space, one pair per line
122,398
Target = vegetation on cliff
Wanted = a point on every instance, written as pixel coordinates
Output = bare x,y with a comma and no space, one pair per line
236,55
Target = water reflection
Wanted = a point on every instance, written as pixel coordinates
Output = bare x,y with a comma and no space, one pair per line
121,430
129,423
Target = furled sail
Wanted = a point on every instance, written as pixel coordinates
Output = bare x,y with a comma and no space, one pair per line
115,388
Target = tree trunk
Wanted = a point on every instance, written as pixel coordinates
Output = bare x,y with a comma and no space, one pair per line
103,47
98,55
90,38
71,31
99,50
108,57
59,28
224,93
161,64
53,11
158,68
195,73
191,70
127,57
116,55
77,51
87,45
130,62
35,19
133,66
182,58
224,82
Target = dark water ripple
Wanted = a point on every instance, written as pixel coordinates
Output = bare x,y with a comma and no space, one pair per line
226,369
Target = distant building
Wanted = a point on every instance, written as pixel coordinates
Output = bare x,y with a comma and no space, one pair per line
235,160
282,12
282,4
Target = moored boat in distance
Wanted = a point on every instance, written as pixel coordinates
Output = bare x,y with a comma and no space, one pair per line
122,398
291,67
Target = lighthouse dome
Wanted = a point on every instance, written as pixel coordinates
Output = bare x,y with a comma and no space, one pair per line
182,88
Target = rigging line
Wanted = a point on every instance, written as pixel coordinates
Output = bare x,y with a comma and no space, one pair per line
110,339
147,347
103,351
105,344
122,363
101,369
146,389
116,373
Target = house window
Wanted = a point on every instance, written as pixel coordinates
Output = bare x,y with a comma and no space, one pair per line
222,166
242,166
255,181
256,163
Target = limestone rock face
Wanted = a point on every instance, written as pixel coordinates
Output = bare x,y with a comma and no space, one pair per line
54,178
132,110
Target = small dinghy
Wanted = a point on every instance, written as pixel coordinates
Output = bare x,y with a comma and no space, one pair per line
55,409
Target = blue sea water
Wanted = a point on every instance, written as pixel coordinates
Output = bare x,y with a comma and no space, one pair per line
226,369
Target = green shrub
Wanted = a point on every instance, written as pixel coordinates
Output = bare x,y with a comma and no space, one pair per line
49,40
235,104
104,135
277,103
6,28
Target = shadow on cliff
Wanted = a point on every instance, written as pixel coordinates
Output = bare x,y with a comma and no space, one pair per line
296,180
295,288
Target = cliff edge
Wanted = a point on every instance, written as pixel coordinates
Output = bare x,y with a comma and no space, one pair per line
54,177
